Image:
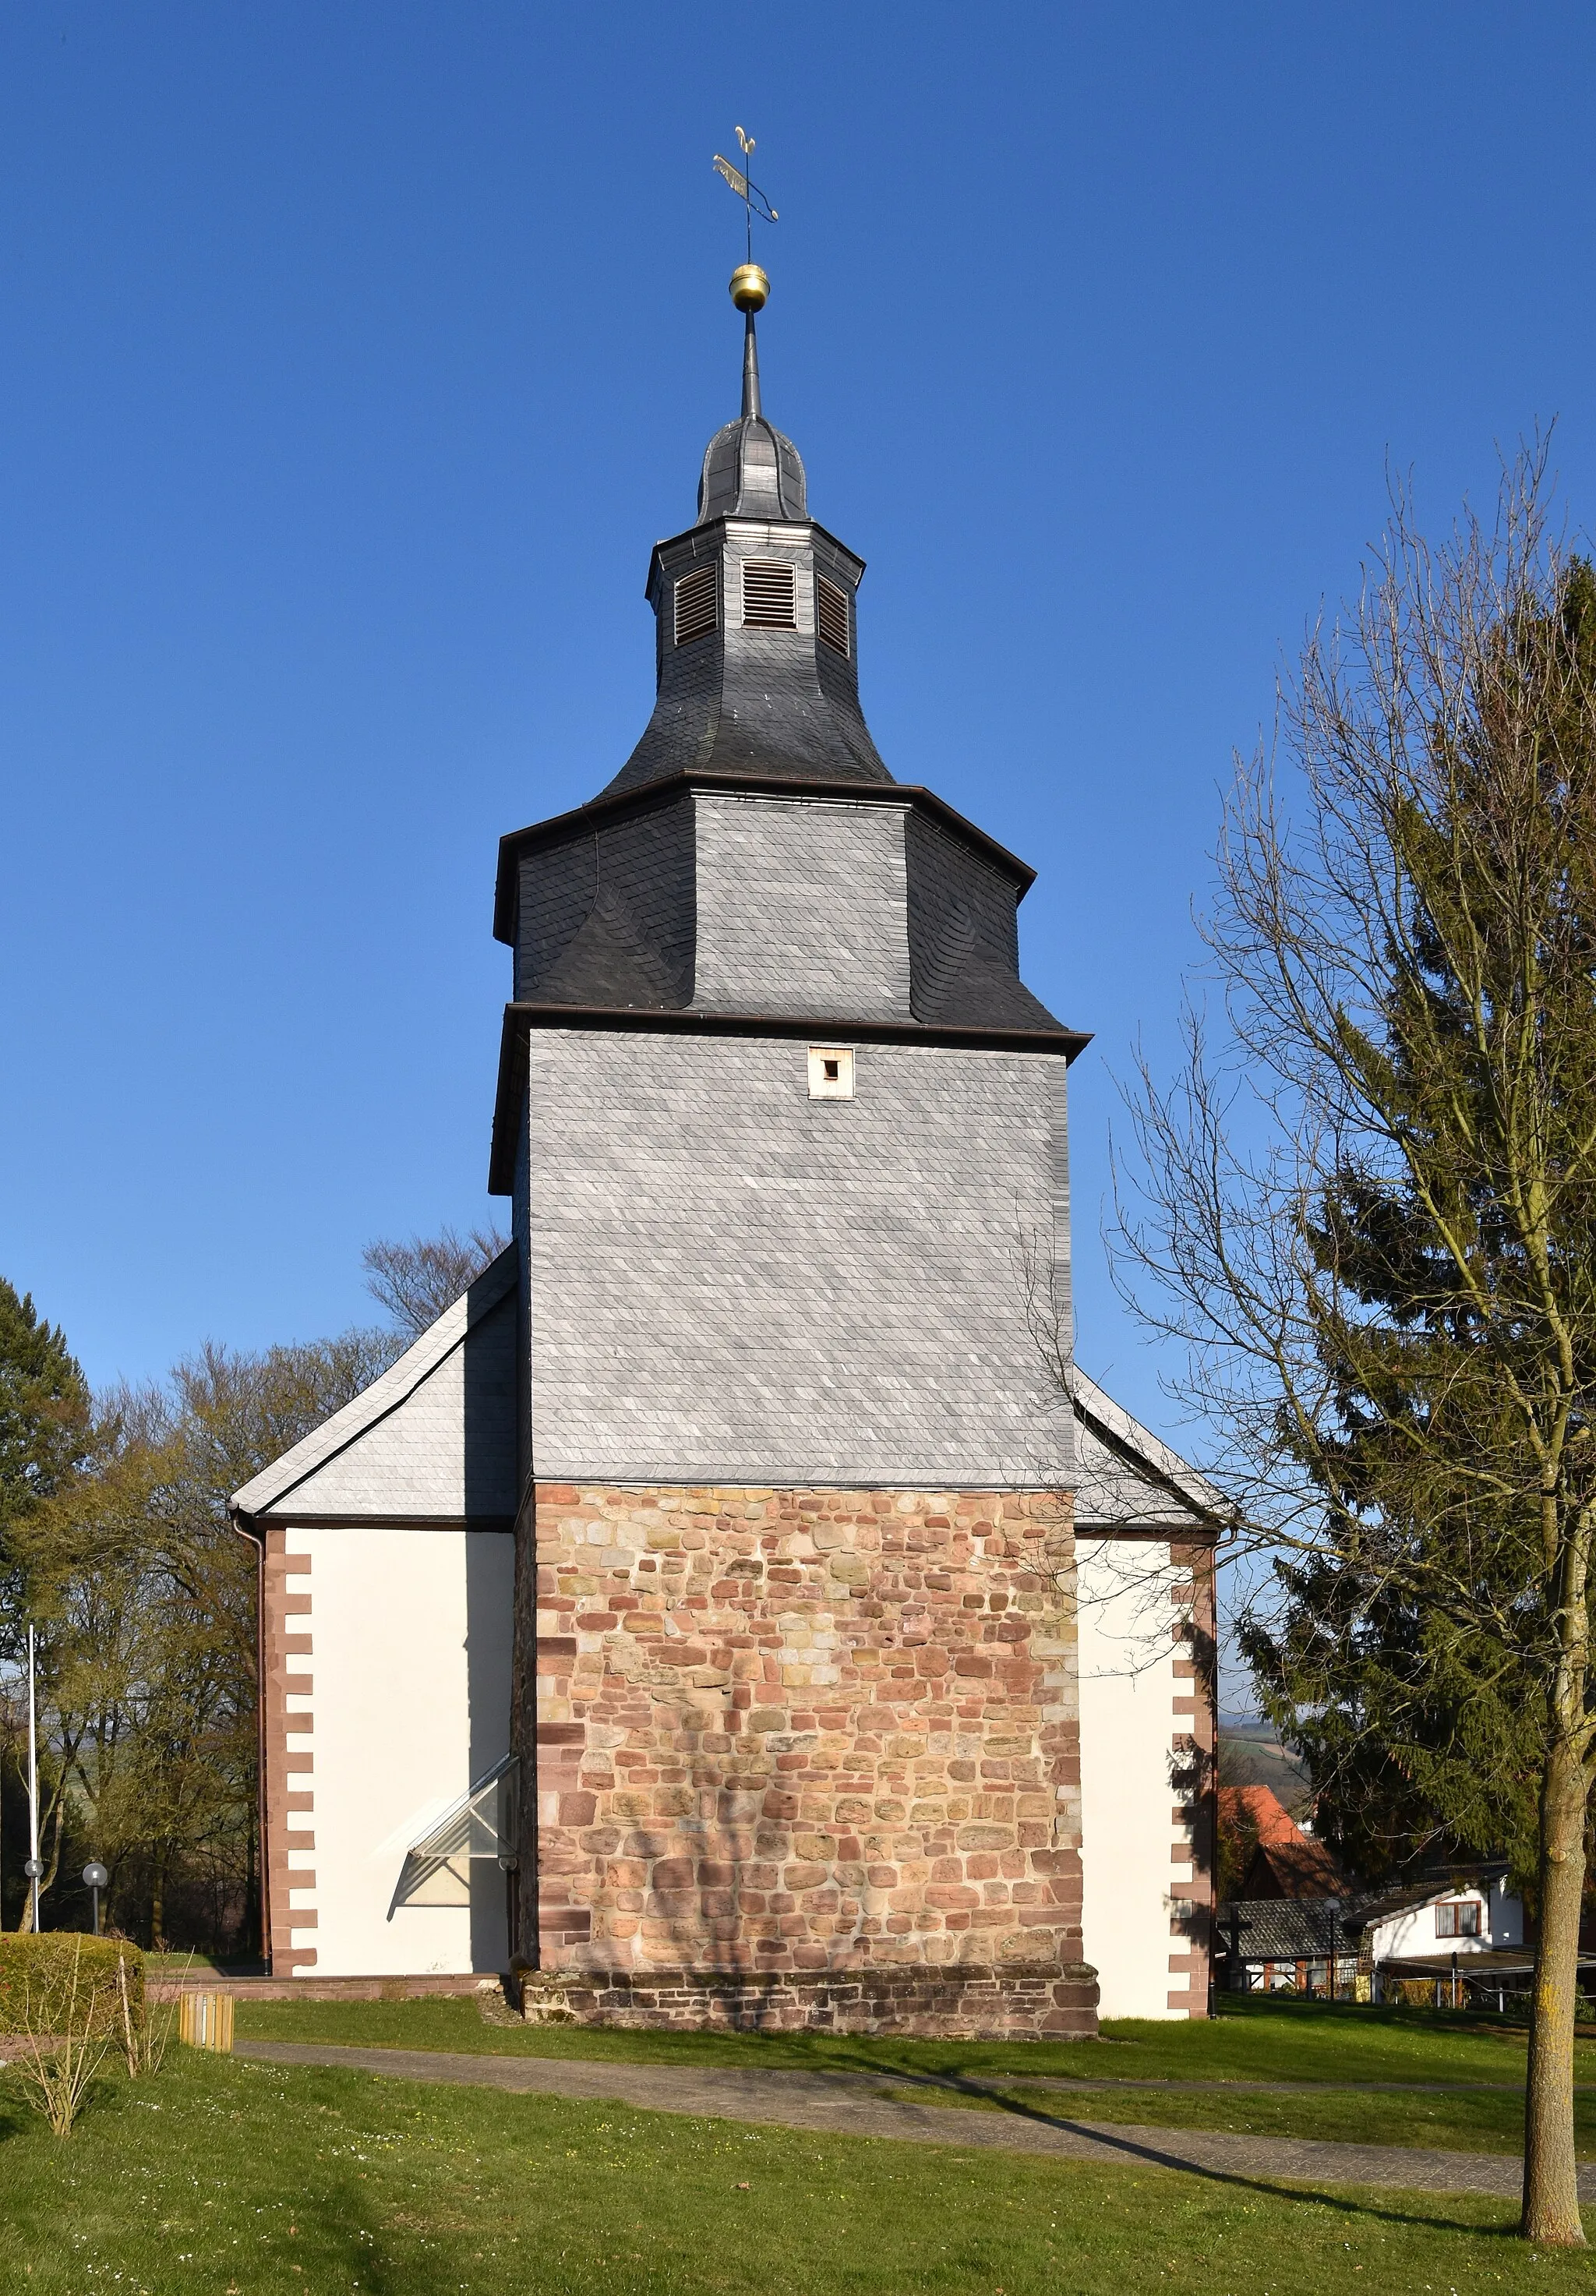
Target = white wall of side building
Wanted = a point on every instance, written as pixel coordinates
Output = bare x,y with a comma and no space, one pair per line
1415,1933
1128,1837
411,1656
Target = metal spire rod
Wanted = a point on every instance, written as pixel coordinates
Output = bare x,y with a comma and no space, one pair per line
750,366
749,285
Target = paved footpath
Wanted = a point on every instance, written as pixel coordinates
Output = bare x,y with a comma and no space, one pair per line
851,2105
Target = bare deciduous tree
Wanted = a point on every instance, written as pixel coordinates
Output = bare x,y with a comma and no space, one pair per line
415,1281
144,1600
1367,1203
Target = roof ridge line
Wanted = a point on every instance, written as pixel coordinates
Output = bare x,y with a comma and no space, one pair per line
1115,1423
385,1395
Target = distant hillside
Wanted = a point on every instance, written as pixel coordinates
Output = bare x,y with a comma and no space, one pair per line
1251,1755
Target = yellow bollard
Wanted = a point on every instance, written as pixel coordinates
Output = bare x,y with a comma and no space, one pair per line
205,2020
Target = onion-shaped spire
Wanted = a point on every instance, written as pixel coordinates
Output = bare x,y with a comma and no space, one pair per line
752,470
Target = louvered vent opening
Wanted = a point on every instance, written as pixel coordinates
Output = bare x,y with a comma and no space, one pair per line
695,605
769,596
831,613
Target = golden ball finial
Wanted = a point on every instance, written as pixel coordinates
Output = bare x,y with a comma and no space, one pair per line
750,288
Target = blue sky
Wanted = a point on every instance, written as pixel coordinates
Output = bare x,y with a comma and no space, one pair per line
352,358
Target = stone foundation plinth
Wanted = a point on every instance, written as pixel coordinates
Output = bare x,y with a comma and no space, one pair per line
962,2002
805,1733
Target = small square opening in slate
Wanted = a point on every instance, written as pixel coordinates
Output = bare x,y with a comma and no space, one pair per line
830,1072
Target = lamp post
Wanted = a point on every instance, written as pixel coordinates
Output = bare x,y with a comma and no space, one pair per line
96,1878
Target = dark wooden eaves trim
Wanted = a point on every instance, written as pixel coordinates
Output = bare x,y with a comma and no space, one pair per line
1178,1534
1203,1517
290,1518
719,525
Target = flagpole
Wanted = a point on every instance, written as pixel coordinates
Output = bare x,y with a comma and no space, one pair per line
33,1786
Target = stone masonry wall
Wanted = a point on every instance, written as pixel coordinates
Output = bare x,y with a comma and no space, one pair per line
800,1732
951,2001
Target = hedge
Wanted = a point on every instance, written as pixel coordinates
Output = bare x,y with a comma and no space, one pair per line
36,1982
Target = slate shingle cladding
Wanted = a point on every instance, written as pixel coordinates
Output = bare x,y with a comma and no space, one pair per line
750,700
734,1283
606,914
726,1279
717,872
964,934
801,908
434,1440
1271,1929
752,468
725,895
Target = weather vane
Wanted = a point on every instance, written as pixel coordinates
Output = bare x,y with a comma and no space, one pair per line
754,201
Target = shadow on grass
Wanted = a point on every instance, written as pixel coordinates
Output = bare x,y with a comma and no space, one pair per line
1298,2191
1391,2016
1294,2190
873,2055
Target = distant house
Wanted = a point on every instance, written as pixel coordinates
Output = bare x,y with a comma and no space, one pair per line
1433,1919
1297,1945
1287,1862
1318,1941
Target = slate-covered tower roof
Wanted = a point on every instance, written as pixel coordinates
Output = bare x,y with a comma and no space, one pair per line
750,469
755,649
754,861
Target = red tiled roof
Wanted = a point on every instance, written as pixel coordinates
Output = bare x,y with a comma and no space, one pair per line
1297,1864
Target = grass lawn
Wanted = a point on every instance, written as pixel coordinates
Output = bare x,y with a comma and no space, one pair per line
230,2178
195,1964
1252,2040
1456,2124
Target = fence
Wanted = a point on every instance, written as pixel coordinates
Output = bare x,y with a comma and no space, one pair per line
1314,1977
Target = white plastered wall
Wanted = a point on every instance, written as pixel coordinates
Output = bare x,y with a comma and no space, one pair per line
411,1640
1414,1934
1127,1690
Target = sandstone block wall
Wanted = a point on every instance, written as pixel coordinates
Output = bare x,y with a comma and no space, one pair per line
789,1731
952,2001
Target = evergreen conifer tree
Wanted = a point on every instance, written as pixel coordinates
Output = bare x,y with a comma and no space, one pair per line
43,1412
1372,1218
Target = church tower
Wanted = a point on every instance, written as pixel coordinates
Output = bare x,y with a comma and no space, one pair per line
794,1690
686,1621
